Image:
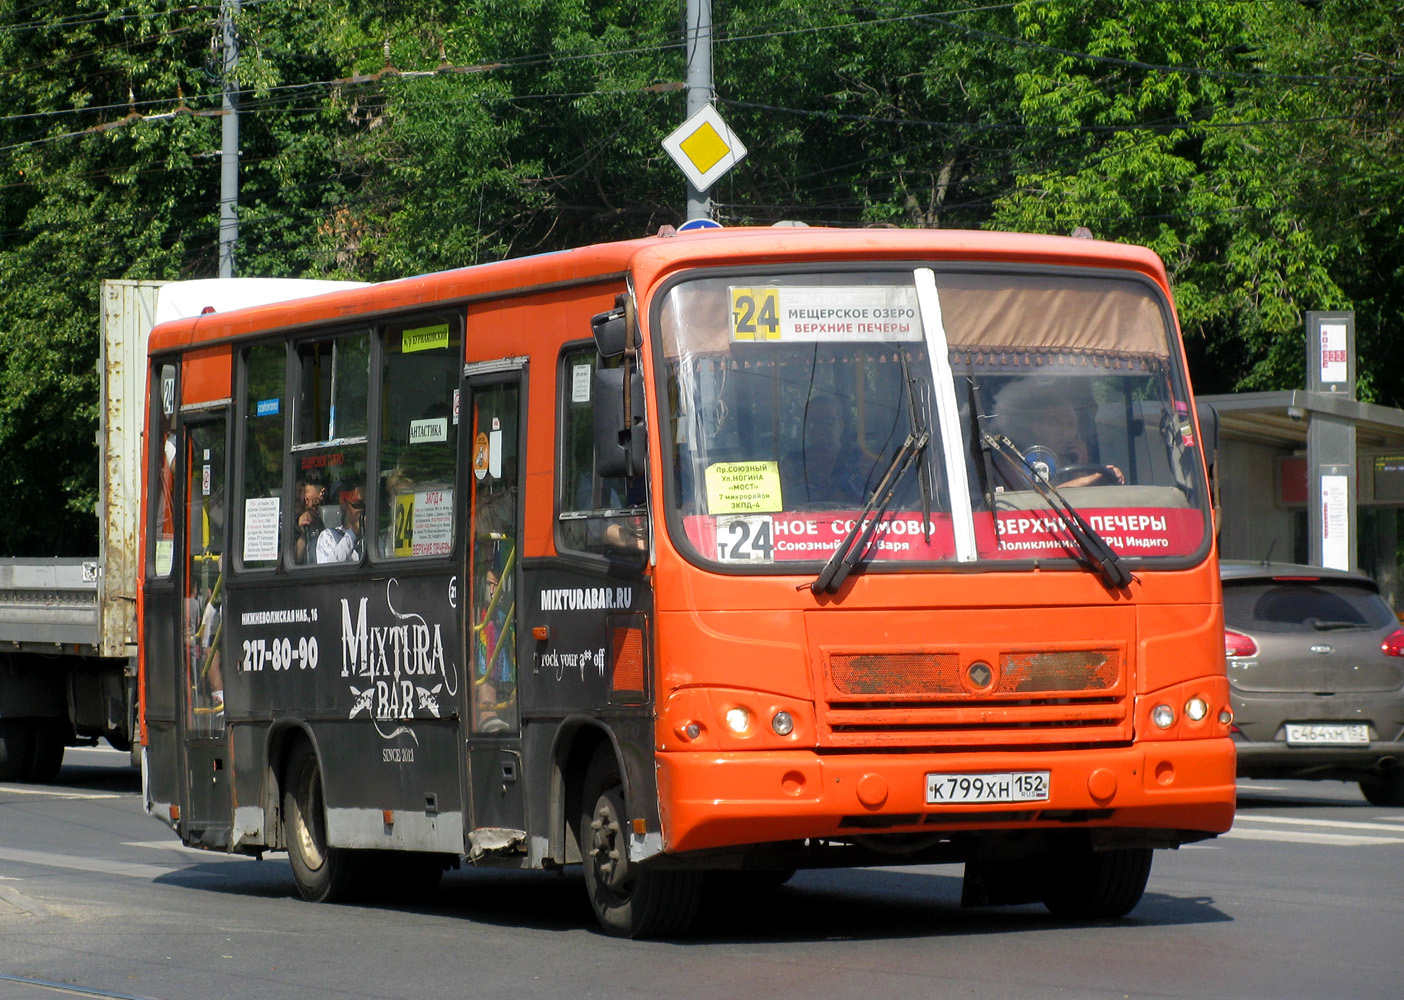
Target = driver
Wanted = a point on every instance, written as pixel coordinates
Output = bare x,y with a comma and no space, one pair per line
1038,418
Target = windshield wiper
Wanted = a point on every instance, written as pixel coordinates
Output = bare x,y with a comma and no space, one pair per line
850,550
1322,625
1098,554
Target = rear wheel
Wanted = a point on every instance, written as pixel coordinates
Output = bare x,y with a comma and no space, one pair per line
323,874
629,900
16,750
1082,883
1384,789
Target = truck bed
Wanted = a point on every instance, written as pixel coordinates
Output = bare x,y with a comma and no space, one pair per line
49,605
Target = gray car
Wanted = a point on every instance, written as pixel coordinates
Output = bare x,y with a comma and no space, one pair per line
1316,668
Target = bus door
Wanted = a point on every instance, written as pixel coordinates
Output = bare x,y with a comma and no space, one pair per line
493,396
206,805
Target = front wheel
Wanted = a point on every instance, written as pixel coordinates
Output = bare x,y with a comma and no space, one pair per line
1086,884
323,874
629,900
1384,790
16,750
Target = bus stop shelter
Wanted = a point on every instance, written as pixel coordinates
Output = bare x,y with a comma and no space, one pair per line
1264,478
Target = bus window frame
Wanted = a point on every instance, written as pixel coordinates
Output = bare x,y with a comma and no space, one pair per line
238,452
456,317
371,440
564,550
657,386
154,465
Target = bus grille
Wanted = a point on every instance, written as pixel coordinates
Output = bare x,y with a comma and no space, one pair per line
1016,696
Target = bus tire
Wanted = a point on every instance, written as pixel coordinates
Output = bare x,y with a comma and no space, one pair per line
323,874
1085,884
629,900
16,750
46,755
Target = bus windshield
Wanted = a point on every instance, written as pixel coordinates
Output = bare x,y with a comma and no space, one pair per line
791,395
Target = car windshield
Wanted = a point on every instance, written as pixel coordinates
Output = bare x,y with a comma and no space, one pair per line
1283,606
791,394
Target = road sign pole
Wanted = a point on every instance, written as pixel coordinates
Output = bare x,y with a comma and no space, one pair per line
699,87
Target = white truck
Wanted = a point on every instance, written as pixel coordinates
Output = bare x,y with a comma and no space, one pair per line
68,626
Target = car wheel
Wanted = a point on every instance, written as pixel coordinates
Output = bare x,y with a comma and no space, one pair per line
1385,789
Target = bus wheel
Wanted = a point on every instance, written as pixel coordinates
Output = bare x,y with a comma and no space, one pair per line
1085,884
629,900
323,874
16,750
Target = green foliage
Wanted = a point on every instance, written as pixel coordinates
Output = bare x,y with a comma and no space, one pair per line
1255,146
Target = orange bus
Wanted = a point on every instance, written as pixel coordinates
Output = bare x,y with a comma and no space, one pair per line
695,559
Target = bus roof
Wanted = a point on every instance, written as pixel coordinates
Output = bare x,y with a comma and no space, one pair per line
647,260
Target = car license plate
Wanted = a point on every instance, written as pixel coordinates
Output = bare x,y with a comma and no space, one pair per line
999,786
1328,734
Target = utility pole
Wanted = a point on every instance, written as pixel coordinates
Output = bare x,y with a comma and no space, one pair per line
699,86
229,147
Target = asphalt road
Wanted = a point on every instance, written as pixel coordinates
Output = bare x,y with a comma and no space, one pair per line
1304,898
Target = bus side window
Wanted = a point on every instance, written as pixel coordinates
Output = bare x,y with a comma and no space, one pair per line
260,506
419,437
592,517
330,417
163,528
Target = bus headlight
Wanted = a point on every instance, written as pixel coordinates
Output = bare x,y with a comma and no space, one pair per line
782,724
738,720
1163,716
1196,709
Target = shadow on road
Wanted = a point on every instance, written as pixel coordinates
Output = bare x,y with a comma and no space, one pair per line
842,904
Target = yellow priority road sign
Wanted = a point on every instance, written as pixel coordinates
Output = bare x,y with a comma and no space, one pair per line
705,148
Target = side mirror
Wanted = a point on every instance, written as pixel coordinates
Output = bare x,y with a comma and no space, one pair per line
613,329
620,440
1208,432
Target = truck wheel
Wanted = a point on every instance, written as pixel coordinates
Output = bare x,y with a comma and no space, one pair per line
16,750
323,874
1384,790
629,900
1086,884
46,756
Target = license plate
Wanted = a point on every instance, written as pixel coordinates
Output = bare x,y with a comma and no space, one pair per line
999,786
1327,734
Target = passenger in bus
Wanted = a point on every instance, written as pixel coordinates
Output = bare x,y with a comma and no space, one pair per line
495,654
824,470
309,524
343,543
1038,417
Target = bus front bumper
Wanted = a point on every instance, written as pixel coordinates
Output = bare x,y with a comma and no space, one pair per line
717,799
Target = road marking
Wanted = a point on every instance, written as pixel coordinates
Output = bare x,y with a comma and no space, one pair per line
175,845
1301,837
46,793
1341,824
46,860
